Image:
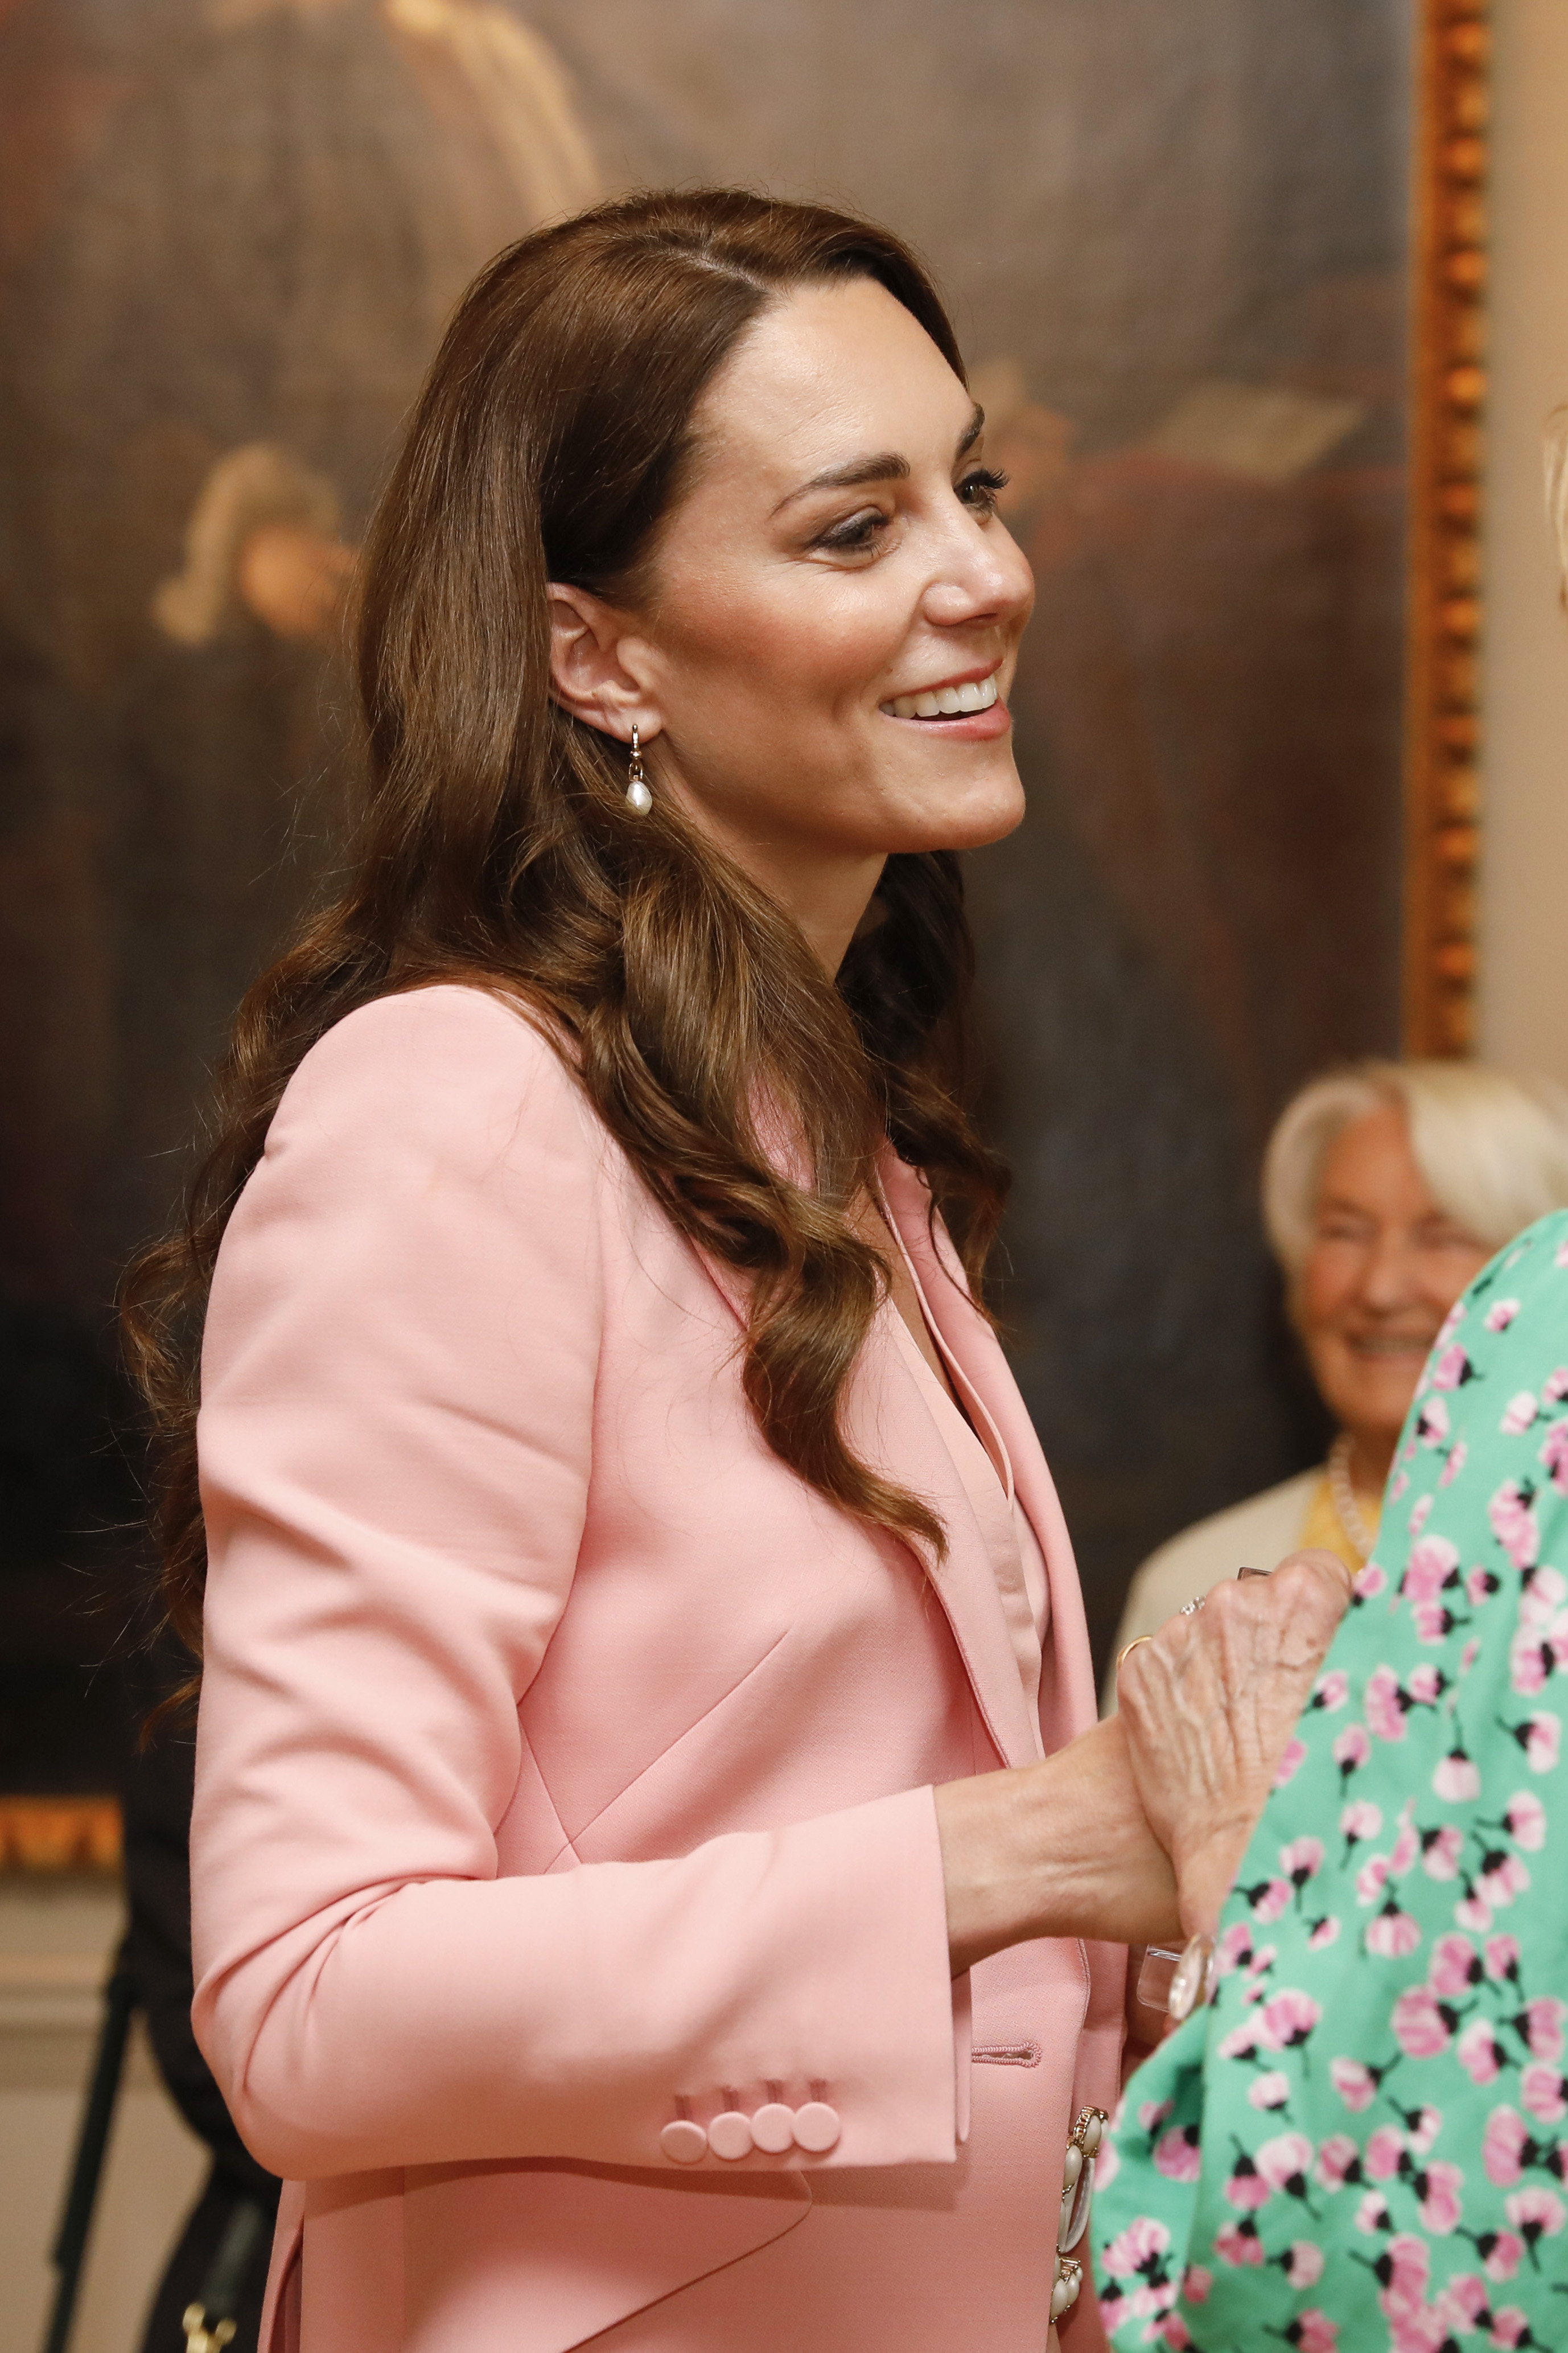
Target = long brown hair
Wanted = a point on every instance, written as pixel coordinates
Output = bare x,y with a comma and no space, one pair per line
495,847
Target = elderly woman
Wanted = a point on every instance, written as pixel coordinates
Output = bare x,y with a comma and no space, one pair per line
1386,1187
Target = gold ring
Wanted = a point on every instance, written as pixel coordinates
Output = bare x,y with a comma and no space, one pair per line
1128,1648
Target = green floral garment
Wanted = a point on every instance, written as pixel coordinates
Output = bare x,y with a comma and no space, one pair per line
1364,2142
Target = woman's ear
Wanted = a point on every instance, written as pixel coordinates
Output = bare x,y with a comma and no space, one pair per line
598,665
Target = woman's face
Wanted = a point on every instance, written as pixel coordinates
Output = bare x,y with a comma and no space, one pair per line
1384,1267
833,577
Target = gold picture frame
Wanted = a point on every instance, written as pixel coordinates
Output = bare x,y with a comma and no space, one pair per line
1449,266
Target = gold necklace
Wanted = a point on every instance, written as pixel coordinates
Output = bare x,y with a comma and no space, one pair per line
1342,1495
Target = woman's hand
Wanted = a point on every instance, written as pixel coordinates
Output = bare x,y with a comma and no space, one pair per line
1209,1703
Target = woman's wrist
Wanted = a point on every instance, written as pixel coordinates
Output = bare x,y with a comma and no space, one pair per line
1058,1849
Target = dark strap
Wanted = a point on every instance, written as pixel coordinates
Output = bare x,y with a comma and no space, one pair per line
210,2322
92,2139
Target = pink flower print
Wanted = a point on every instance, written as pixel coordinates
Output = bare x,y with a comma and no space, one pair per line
1241,2043
1534,1657
1426,1685
1555,1388
1393,1934
1518,1414
1402,2271
1432,1423
1455,1965
1424,2126
1500,1315
1269,1898
1238,2242
1541,1595
1292,1759
1153,2114
1501,2253
1526,1821
1458,1455
1434,1564
1480,1585
1543,2089
1513,1523
1371,1878
1433,1621
1555,1454
1177,2155
1464,2304
1359,1820
1373,1580
1420,1512
1535,2214
1269,2091
1452,1368
1355,2083
1441,1851
1314,2332
1541,1737
1473,1911
1399,1484
1479,2052
1301,1861
1456,1780
1302,2264
1441,2185
1386,1705
1234,1950
1174,2331
1450,1323
1352,1749
1339,2158
1502,2146
1323,1933
1511,2328
1138,2249
1406,1847
1285,2163
1469,1654
1502,1960
1502,1877
1543,2026
1383,2151
1423,2026
1197,2285
1334,1689
1286,2023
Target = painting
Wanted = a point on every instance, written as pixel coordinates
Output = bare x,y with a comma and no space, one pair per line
1179,246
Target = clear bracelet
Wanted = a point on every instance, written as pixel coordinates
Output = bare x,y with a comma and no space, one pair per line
1193,1980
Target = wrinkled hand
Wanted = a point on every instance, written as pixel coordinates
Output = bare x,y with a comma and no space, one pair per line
1209,1704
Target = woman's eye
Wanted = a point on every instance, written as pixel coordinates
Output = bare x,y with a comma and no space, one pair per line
979,489
857,532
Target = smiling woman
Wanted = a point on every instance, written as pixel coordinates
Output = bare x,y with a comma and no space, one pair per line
650,1813
1386,1187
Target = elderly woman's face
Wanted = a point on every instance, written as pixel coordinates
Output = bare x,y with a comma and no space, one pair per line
1384,1267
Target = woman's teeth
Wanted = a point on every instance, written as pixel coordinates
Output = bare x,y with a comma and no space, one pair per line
944,701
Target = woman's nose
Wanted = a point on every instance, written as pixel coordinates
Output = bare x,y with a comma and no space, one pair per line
983,575
1387,1274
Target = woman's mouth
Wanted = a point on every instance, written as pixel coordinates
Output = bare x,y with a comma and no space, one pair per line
944,701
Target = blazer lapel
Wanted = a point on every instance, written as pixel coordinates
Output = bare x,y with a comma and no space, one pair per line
1069,1703
891,1426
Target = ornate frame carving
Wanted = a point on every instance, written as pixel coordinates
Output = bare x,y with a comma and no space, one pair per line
1448,259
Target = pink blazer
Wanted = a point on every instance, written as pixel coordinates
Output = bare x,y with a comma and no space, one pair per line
565,1764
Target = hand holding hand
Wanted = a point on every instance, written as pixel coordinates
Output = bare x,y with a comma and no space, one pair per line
1209,1703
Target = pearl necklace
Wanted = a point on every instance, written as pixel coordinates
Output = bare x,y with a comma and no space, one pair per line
1342,1495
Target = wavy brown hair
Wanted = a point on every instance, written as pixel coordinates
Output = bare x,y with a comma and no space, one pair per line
495,846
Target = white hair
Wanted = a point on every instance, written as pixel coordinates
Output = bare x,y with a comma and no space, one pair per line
1492,1149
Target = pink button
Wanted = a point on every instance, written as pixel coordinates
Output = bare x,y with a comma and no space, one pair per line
730,2136
683,2142
816,2127
772,2128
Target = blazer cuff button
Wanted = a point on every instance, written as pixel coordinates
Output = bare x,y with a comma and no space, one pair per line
816,2127
772,2128
730,2136
683,2142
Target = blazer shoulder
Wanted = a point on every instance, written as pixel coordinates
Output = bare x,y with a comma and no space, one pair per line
453,1062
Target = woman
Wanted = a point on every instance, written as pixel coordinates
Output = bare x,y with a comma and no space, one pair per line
1386,1187
1363,2142
630,1559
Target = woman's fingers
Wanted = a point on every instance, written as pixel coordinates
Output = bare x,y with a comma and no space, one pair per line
1209,1704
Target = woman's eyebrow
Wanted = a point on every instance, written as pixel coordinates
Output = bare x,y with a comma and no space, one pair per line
886,465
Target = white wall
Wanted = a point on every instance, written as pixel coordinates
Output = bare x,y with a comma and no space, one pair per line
1524,882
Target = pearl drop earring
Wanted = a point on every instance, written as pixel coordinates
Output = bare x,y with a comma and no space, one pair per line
639,800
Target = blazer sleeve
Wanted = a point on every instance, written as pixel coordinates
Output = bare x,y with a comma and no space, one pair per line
396,1443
